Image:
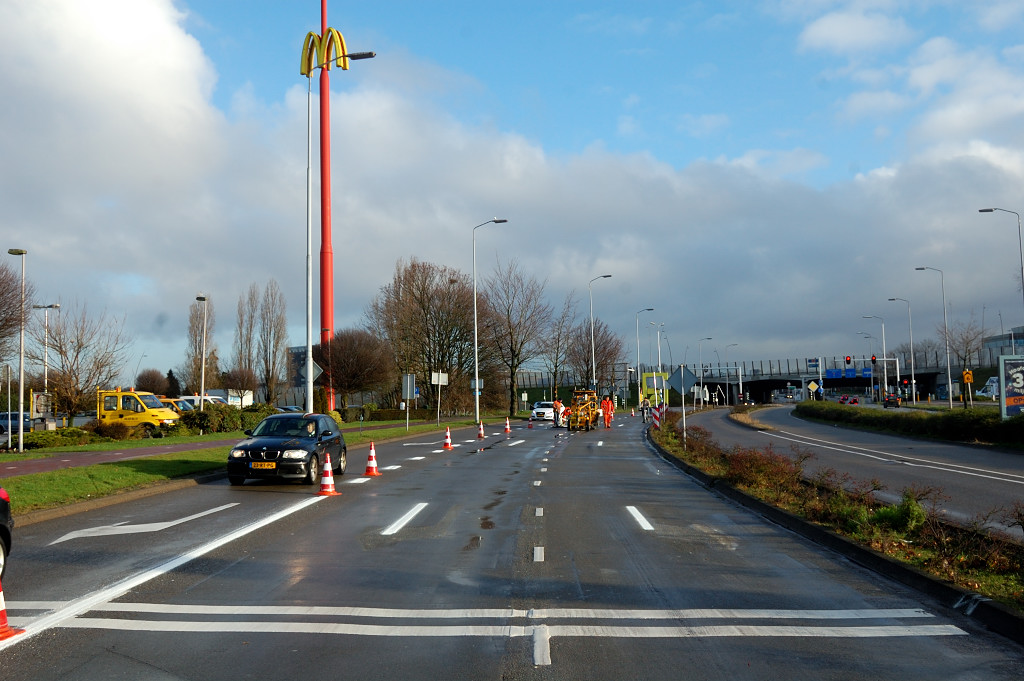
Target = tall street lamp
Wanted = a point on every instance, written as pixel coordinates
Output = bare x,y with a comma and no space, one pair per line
659,395
46,340
639,388
316,54
913,378
21,354
945,331
700,360
885,369
593,361
1020,242
476,352
202,366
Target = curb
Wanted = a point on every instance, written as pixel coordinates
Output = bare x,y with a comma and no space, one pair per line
997,617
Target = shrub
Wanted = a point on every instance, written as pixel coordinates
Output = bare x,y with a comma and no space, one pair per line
64,437
113,431
904,517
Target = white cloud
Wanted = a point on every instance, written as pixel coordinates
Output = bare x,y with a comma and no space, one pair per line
850,32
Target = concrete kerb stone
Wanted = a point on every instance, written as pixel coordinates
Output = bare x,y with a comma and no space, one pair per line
997,617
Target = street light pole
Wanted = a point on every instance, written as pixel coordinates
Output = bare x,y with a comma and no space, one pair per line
945,327
46,340
1020,242
740,386
913,378
885,369
202,368
639,387
21,355
593,361
476,351
700,360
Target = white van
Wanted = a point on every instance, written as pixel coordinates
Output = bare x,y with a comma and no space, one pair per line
990,389
208,399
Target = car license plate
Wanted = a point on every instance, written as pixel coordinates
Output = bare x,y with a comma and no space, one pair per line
263,464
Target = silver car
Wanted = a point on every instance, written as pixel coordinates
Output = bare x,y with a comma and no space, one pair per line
544,411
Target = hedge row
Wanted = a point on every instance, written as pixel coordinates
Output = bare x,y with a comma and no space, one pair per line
958,425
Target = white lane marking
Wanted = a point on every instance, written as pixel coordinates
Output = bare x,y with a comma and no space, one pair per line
639,517
357,481
416,458
393,467
541,645
401,522
538,554
912,461
539,512
517,442
600,443
106,530
90,601
419,444
536,483
543,470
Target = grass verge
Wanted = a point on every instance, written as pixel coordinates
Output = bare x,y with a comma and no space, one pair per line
912,531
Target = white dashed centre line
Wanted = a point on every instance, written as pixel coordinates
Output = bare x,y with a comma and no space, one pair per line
538,554
639,517
404,520
536,483
539,512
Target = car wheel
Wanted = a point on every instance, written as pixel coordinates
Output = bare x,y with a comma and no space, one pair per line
313,470
236,480
342,462
3,559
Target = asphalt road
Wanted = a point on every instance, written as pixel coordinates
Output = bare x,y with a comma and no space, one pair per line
971,481
537,555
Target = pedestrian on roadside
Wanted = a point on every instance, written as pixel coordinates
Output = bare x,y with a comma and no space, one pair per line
607,409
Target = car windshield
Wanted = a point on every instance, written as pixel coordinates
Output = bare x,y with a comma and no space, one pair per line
151,401
287,427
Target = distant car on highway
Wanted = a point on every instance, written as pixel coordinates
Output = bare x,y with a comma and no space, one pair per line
891,400
289,447
544,411
854,401
6,530
844,399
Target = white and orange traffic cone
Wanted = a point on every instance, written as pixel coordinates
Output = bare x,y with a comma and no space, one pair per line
6,631
508,427
371,463
327,481
480,433
531,423
447,438
632,412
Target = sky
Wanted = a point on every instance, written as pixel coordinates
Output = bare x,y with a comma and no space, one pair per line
762,173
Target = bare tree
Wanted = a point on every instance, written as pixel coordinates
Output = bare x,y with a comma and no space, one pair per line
272,340
517,321
85,353
151,380
239,382
556,345
11,312
190,372
355,360
964,341
608,349
245,330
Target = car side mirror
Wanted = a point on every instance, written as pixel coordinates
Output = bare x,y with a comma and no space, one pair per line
327,433
248,431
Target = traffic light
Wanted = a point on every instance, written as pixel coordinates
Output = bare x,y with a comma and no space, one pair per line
873,359
848,360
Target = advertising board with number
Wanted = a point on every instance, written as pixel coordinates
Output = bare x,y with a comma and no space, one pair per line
1011,385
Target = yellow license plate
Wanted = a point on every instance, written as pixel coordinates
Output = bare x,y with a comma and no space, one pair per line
263,464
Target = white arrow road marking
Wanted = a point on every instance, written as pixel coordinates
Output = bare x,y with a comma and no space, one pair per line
107,530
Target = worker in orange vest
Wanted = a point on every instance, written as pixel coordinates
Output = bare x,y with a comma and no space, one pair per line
607,409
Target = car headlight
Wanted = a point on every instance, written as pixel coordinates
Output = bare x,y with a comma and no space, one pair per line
237,454
294,454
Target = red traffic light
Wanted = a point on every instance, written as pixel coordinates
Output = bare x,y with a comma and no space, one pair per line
848,360
873,359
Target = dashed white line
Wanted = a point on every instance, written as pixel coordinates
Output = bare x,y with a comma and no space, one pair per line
536,483
357,481
639,517
517,442
539,512
538,554
416,458
404,520
391,468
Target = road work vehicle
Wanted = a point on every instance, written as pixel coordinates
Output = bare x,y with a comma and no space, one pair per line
133,409
583,410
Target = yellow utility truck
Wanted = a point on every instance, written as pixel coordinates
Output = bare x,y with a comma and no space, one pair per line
583,410
133,409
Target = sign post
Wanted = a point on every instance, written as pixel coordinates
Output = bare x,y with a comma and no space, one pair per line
408,394
438,378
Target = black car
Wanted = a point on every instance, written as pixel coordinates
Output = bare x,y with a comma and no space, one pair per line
289,447
891,401
6,530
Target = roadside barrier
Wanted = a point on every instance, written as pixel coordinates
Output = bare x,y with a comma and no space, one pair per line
657,417
327,480
371,462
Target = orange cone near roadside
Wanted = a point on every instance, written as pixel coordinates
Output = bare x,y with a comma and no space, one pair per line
371,463
480,433
6,631
508,428
327,481
447,438
632,412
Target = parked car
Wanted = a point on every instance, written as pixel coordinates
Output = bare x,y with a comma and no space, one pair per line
544,411
14,422
6,530
289,447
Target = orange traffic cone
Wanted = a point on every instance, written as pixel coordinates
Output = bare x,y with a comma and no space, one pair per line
508,428
371,463
447,438
480,433
530,425
327,481
632,412
5,630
